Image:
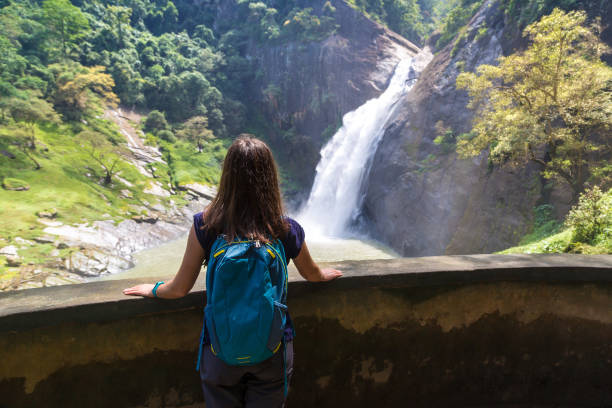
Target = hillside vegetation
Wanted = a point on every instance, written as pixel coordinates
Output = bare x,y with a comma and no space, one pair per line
186,67
587,228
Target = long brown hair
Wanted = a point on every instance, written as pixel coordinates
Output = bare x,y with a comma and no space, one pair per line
248,204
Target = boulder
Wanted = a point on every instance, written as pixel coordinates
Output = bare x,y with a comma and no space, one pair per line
155,188
93,262
14,184
22,241
149,218
200,190
9,250
13,260
45,239
51,213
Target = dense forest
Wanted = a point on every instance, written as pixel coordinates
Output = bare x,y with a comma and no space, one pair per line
184,66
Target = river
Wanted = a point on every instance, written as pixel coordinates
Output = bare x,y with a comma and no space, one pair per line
165,259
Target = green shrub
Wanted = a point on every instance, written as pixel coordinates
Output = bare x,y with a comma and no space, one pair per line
589,218
166,135
544,225
456,19
156,121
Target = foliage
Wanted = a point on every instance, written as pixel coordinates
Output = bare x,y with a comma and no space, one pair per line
166,135
544,224
186,165
456,19
550,104
557,243
196,130
588,228
445,138
306,26
402,16
527,11
27,109
66,24
589,218
155,122
82,90
103,153
263,22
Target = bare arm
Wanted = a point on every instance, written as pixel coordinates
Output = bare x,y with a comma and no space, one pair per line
310,271
185,278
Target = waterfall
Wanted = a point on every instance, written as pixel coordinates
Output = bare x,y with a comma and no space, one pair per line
335,198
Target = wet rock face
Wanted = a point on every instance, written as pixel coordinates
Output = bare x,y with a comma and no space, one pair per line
304,88
423,200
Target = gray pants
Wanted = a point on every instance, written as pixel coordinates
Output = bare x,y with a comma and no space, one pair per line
258,386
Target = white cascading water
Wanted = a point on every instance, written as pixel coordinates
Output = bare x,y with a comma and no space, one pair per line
345,159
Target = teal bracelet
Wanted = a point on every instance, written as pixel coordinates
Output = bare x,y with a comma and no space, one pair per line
157,285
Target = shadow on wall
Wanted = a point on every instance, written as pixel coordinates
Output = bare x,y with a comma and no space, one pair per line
439,331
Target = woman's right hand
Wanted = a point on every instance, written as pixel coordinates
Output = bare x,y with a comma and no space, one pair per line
310,270
330,274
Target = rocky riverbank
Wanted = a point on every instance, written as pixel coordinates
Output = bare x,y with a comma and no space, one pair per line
102,247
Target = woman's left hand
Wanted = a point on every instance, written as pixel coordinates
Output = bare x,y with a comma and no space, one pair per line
145,289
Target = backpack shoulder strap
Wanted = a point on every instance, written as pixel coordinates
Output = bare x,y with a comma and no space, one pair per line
216,250
277,250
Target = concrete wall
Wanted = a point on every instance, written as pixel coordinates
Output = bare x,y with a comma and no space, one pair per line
480,330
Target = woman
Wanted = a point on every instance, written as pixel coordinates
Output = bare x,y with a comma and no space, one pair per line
248,205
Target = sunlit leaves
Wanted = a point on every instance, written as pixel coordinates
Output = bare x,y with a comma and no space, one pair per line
551,103
66,23
83,89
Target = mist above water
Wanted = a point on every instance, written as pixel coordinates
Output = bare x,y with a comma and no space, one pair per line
335,198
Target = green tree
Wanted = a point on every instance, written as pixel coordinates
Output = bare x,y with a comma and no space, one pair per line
455,19
551,104
262,21
120,19
66,23
106,155
30,110
404,17
196,130
82,90
155,122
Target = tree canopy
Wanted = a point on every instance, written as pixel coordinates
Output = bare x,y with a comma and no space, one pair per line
66,24
551,104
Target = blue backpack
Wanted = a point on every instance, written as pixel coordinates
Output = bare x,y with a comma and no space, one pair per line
246,290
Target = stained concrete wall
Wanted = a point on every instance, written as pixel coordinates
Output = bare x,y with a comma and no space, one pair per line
481,330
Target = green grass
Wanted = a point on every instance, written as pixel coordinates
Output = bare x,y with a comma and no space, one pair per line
549,236
71,182
557,243
61,183
187,165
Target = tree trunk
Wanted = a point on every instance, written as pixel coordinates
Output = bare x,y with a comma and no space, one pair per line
37,165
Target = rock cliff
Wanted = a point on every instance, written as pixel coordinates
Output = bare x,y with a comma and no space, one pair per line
423,200
420,198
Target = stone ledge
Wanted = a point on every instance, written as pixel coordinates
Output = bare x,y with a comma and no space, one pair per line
104,301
